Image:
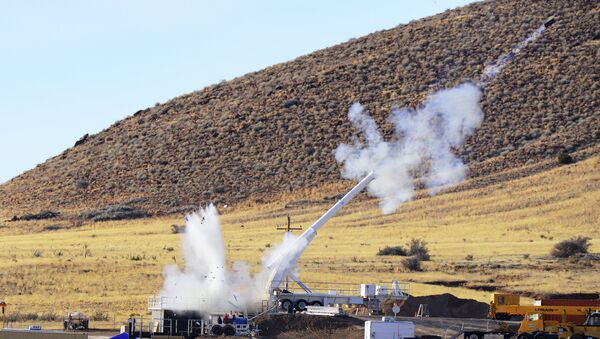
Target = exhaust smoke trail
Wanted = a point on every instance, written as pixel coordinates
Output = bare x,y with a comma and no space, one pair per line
491,71
421,148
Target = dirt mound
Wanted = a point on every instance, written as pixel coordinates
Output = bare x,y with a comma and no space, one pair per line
274,131
312,326
442,305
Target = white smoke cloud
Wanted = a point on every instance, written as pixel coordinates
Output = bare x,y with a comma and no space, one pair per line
421,147
206,283
423,141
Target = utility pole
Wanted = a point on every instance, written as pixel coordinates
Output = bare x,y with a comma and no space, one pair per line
288,229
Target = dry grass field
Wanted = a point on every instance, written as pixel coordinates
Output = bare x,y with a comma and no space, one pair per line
497,236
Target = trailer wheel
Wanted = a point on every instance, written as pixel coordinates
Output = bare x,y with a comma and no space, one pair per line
316,303
474,336
286,305
228,330
216,330
301,305
524,335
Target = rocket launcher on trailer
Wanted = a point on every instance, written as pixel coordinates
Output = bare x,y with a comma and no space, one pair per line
282,265
281,269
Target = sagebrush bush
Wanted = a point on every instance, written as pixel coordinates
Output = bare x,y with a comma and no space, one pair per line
99,316
392,250
564,158
568,248
418,248
412,264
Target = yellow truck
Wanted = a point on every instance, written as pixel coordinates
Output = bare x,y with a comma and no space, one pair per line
533,325
589,330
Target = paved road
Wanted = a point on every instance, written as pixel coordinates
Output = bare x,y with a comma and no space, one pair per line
444,327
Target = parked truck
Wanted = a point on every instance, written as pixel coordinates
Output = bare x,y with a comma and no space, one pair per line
76,321
589,330
535,324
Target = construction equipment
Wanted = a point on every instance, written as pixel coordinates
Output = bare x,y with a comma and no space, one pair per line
504,306
534,325
76,321
589,329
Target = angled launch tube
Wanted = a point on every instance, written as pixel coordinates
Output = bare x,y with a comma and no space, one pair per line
282,265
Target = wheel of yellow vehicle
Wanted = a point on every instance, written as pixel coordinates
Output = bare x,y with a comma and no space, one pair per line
524,335
576,336
539,335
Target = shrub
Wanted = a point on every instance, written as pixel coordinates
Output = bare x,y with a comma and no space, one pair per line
82,184
412,263
469,257
99,316
418,248
50,316
570,247
51,228
392,250
39,216
177,229
19,317
564,158
115,212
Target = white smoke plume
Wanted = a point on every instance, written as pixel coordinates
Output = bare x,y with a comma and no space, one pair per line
424,138
206,283
421,147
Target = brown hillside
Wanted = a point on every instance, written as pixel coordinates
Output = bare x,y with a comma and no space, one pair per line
274,130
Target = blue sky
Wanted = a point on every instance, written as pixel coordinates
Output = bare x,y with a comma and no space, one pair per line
73,67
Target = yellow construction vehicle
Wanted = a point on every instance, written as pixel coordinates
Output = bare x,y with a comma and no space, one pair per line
589,330
533,325
504,306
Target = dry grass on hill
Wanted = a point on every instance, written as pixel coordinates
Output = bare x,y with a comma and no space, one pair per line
273,131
